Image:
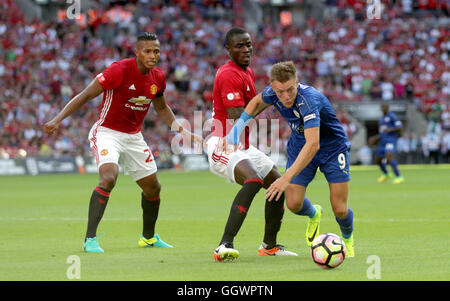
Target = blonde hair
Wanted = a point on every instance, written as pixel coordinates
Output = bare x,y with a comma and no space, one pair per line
283,71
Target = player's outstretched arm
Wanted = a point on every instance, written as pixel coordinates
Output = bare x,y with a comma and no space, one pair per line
166,114
253,108
374,139
307,153
256,106
91,91
309,150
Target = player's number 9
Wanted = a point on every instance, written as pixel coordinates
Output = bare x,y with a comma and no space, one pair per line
341,160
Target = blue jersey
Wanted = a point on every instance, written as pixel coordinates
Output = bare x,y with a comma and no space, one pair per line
311,109
389,121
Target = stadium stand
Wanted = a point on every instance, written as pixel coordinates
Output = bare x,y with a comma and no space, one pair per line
43,63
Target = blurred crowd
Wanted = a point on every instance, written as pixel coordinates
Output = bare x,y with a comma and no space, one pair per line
433,145
44,64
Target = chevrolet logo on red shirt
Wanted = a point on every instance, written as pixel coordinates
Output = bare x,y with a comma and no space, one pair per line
141,100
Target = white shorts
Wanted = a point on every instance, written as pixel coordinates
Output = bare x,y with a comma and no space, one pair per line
109,145
223,164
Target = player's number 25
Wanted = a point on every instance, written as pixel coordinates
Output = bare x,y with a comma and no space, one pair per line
341,160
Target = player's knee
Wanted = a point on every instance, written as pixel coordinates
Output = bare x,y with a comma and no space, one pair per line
294,205
340,211
253,178
107,181
153,189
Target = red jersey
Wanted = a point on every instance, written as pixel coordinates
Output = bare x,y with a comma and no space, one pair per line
128,94
233,87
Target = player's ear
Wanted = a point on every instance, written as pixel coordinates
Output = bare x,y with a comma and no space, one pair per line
227,48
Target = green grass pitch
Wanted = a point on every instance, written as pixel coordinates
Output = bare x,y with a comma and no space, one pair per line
43,220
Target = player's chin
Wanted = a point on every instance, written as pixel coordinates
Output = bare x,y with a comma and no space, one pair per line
245,61
288,104
150,65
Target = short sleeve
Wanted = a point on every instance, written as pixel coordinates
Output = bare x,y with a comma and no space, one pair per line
231,90
395,121
310,111
268,95
161,84
111,77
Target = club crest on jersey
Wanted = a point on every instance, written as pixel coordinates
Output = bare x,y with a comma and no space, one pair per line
153,89
104,152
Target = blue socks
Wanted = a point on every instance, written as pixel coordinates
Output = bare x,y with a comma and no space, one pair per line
394,166
346,224
383,167
307,209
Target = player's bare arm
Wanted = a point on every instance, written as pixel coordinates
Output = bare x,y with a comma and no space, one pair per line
253,108
234,112
166,114
309,150
91,91
374,139
256,106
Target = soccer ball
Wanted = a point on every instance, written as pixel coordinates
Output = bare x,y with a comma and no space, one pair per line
328,250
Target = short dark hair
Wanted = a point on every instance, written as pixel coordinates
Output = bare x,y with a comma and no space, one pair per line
233,32
146,36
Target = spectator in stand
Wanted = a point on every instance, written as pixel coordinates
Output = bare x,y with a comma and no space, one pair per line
425,153
445,147
364,155
414,148
346,122
387,89
445,119
433,144
403,148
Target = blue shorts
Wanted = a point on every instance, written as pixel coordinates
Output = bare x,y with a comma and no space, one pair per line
384,147
333,163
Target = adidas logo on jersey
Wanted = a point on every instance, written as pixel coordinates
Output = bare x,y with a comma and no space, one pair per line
132,87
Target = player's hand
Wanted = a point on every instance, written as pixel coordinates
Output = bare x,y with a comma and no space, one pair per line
192,137
372,140
51,126
276,189
197,139
224,146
